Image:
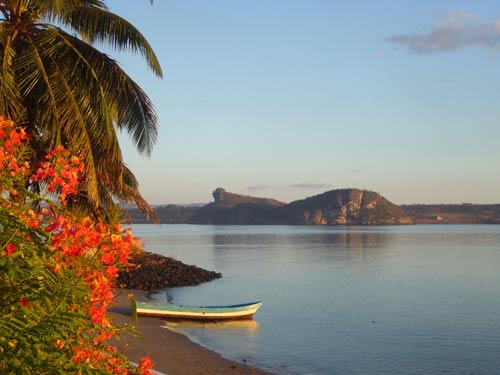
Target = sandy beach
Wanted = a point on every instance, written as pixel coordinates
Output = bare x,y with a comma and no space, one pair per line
171,352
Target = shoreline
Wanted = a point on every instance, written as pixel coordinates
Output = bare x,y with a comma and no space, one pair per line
172,353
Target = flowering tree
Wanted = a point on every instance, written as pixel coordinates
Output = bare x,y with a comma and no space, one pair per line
57,269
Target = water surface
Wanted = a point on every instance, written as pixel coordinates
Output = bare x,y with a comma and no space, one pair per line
346,300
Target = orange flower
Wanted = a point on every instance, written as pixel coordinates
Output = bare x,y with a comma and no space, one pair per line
108,258
111,272
84,246
59,344
11,248
97,314
144,366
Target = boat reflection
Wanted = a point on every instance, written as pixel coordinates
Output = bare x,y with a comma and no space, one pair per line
251,326
240,336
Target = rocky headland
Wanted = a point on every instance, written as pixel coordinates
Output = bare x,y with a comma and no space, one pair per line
335,207
230,208
346,207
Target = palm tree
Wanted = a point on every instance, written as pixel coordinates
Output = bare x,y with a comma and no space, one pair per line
55,82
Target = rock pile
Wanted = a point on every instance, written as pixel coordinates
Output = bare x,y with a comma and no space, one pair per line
149,271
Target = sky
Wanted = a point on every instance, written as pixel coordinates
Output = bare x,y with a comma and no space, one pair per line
290,98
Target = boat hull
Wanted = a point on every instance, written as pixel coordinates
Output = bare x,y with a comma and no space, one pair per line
243,311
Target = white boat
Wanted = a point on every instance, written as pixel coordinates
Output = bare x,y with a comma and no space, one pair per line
241,311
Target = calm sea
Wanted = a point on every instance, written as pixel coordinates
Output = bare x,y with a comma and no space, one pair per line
400,300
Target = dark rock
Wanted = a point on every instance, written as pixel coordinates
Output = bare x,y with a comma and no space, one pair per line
149,271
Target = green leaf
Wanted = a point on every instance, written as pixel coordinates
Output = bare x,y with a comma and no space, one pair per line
133,306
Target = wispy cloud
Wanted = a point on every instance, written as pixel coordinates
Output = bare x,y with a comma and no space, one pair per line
307,185
382,53
460,30
301,185
258,187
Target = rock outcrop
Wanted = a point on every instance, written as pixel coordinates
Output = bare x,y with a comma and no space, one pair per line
224,199
230,208
335,207
346,207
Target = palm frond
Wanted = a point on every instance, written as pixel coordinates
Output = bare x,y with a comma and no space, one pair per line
137,116
130,107
50,10
99,25
10,98
33,76
131,194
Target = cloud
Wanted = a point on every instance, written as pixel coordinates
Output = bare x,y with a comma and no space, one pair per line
382,53
302,185
310,186
258,187
460,30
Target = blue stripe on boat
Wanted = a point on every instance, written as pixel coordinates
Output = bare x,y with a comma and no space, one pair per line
194,309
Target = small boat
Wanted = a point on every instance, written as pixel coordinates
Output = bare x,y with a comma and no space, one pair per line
167,310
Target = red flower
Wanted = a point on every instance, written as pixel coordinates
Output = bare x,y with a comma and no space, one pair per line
11,248
111,271
144,366
84,247
108,258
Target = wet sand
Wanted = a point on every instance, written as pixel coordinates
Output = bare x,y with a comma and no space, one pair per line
171,352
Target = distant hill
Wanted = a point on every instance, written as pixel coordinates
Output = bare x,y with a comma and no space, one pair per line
335,207
230,200
346,206
230,208
343,206
465,213
167,214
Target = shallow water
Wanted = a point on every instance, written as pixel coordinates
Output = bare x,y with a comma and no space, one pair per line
346,300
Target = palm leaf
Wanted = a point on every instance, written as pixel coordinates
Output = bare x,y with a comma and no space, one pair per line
51,9
132,195
33,76
120,94
130,107
99,25
10,98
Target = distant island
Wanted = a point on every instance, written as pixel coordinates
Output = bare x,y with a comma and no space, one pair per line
334,207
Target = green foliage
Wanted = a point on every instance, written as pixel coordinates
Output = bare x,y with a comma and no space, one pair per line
57,270
29,330
67,92
133,306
